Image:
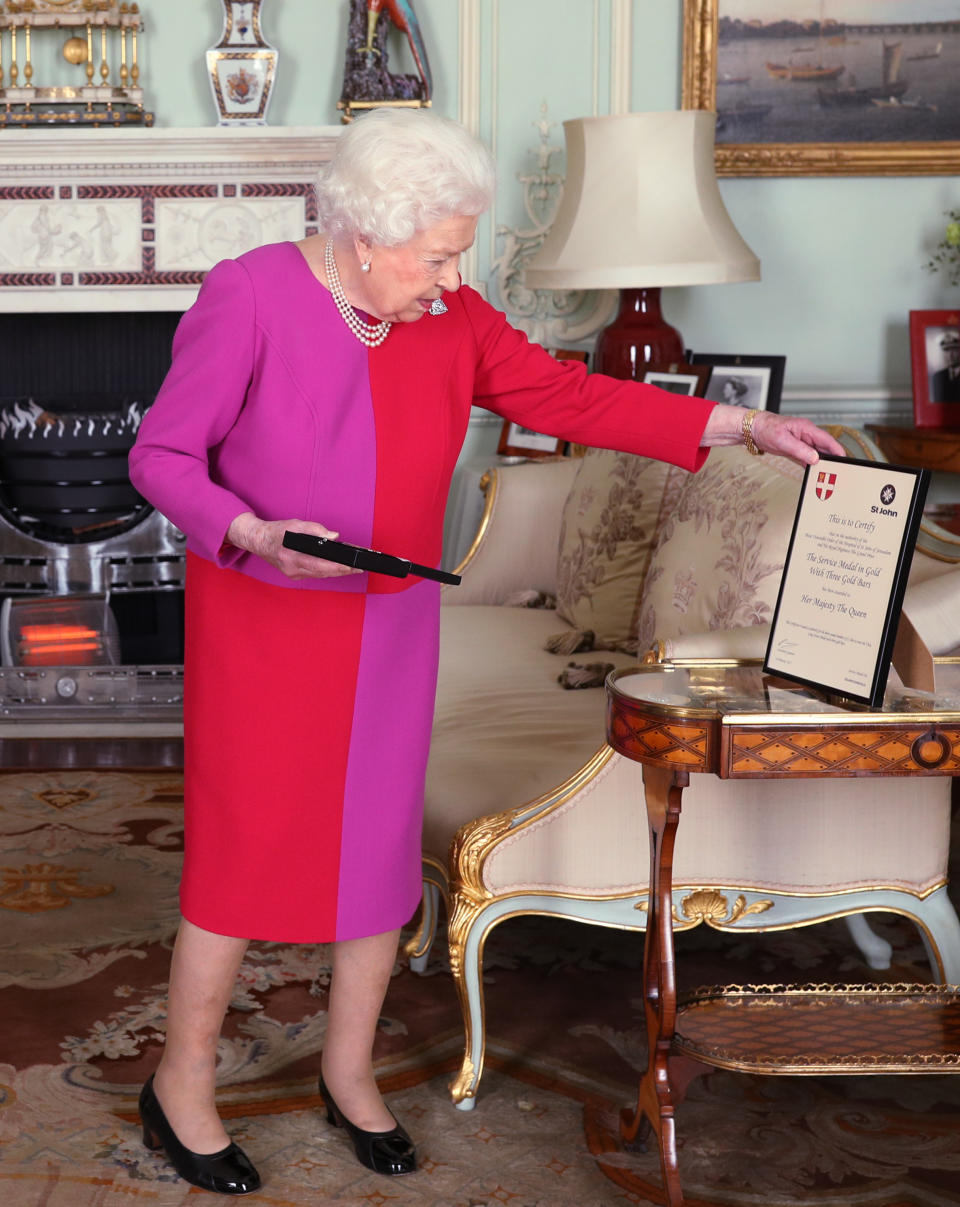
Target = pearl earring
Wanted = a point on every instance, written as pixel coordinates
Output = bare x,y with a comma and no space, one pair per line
365,266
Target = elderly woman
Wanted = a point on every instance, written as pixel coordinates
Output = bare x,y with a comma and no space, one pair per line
325,387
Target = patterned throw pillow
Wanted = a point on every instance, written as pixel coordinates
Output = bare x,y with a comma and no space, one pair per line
720,553
609,528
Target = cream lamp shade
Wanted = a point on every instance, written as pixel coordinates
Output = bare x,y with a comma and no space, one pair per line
641,207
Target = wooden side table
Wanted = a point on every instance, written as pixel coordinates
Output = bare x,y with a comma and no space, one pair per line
727,718
925,447
932,448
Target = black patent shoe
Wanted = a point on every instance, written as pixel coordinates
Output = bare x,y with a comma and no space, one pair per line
390,1152
229,1171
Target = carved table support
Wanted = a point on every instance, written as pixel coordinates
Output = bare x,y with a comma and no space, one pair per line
655,1099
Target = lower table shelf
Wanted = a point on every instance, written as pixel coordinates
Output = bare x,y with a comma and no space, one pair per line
821,1029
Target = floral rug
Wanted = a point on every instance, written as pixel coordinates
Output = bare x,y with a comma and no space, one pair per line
90,862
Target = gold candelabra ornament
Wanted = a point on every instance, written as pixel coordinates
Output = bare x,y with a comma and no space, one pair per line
102,39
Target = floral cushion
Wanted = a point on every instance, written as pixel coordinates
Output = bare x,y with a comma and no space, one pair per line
720,554
610,522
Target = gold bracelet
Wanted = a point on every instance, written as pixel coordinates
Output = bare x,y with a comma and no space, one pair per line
746,431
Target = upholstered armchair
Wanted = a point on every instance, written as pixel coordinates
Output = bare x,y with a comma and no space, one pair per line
548,819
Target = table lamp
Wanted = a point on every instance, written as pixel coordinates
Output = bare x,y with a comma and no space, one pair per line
640,209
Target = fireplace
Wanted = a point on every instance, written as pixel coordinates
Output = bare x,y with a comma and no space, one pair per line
88,569
105,239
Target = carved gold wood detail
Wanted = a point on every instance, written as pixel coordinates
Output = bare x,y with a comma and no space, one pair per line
794,159
469,895
749,751
419,943
710,906
466,904
656,653
490,486
37,887
465,1083
843,159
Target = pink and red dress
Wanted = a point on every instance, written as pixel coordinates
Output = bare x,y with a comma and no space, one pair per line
309,703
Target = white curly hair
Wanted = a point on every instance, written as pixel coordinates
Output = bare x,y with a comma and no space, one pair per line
396,172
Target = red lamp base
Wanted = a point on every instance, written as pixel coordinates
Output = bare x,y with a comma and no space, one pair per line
637,338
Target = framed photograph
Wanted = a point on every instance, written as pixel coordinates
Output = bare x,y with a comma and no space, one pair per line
517,441
679,379
841,593
803,88
935,365
754,382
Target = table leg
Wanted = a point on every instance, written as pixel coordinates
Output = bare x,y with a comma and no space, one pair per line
656,1099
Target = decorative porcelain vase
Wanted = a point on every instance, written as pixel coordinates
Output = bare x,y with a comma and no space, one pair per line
242,66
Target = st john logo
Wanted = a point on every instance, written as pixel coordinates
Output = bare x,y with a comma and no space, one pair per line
825,484
887,494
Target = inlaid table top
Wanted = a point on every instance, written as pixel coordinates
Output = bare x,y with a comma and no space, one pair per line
728,717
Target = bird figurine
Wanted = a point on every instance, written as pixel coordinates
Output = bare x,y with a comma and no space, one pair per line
405,19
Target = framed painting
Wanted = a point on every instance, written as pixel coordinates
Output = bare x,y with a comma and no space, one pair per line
827,87
754,382
935,366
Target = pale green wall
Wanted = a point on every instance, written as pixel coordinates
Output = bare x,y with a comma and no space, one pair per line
842,257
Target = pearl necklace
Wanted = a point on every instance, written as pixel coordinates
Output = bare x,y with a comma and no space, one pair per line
371,336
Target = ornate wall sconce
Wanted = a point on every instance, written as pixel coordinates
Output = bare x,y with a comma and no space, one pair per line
102,35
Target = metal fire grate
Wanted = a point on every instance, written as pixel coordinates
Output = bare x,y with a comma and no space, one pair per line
149,557
136,693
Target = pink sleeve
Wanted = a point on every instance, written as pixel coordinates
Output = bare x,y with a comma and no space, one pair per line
195,408
522,382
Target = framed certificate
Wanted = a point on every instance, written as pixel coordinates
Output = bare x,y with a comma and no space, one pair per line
845,575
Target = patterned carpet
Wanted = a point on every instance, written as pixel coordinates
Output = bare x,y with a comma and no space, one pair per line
90,863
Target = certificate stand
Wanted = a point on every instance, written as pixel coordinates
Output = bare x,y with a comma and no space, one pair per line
912,661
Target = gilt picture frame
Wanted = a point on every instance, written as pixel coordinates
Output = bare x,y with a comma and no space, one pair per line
913,134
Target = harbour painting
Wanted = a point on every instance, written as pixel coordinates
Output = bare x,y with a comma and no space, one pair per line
837,71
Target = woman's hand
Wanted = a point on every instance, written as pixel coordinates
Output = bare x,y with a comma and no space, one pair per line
785,435
265,539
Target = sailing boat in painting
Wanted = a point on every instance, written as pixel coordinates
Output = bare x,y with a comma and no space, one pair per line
807,73
891,88
804,73
931,52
